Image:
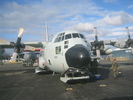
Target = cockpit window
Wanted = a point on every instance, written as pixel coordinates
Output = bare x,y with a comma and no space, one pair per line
68,36
75,35
60,37
82,36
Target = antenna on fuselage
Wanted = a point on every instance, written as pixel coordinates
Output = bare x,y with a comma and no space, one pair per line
46,34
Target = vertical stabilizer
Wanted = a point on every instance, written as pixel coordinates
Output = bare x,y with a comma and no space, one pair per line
47,35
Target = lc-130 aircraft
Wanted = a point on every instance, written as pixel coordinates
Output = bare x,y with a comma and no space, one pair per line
69,53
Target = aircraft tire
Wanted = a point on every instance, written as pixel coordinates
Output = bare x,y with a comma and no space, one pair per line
24,65
1,63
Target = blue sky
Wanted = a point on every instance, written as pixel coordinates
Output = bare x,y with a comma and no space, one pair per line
109,16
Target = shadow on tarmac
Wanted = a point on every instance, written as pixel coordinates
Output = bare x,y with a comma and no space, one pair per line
120,98
104,73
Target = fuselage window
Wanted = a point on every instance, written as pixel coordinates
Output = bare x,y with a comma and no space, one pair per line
66,44
68,36
58,50
75,35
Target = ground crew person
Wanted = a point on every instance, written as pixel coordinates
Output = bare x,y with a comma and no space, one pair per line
115,68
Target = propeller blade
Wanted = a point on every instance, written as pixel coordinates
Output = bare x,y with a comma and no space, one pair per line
128,32
95,32
98,53
13,58
17,46
20,33
97,44
129,42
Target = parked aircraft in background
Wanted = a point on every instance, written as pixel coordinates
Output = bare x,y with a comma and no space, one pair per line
69,53
3,55
30,57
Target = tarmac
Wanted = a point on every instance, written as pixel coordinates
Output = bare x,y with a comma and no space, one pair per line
21,83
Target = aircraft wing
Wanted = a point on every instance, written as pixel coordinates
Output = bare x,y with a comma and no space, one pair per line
7,44
124,44
19,46
35,44
116,43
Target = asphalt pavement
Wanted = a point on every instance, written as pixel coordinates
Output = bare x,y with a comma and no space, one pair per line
21,83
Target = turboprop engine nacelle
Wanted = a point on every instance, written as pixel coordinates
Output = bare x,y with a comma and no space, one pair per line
105,51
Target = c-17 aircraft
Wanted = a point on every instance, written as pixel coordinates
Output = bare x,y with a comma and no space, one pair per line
69,53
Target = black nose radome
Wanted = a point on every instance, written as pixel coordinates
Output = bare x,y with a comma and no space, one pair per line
78,56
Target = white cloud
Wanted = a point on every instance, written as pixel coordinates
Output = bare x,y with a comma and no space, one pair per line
80,15
34,15
116,18
82,27
130,6
118,29
116,33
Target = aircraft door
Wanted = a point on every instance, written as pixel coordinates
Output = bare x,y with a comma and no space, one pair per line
59,58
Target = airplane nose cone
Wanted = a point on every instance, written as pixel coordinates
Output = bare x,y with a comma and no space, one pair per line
77,56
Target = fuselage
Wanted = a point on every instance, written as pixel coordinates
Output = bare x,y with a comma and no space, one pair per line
67,49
